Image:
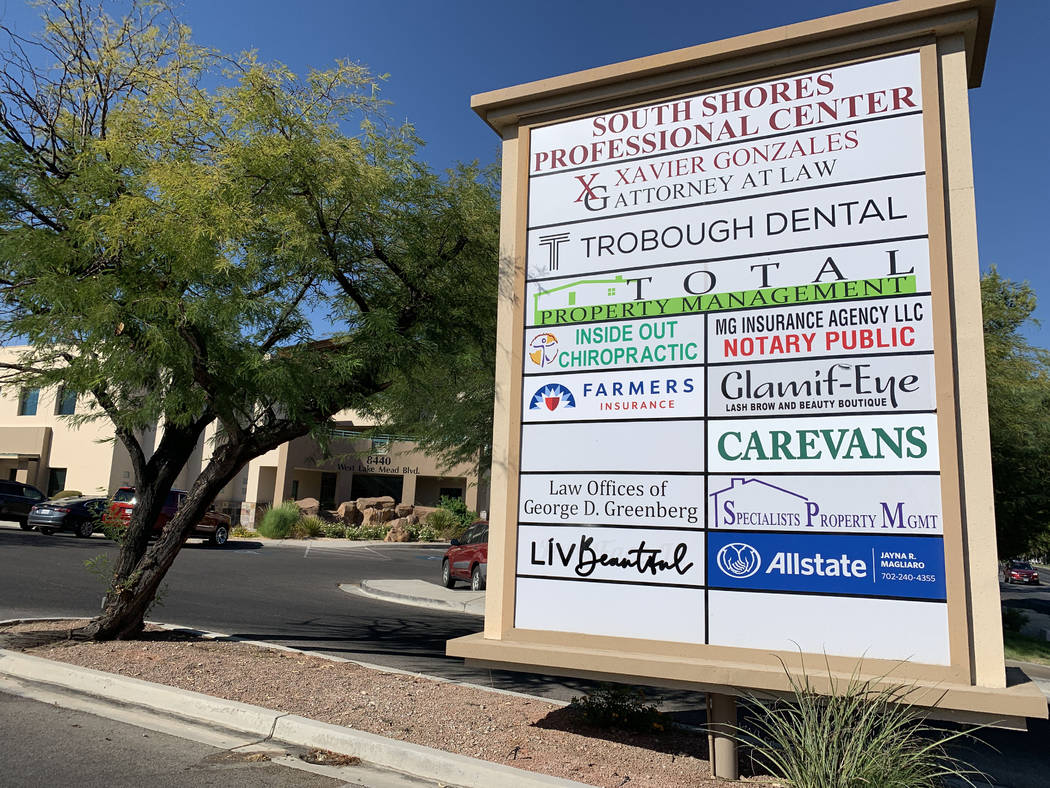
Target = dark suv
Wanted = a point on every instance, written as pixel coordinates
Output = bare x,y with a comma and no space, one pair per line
16,499
213,526
468,558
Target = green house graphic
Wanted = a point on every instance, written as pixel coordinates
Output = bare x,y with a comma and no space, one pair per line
582,292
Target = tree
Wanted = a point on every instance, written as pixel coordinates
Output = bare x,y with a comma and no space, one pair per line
1019,418
446,402
174,225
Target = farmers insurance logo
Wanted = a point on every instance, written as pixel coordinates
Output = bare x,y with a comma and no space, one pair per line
543,349
552,398
739,560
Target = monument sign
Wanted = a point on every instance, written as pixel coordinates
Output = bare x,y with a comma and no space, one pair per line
741,410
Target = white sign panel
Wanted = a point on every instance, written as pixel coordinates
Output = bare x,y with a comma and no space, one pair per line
729,424
867,384
614,395
901,503
674,341
613,499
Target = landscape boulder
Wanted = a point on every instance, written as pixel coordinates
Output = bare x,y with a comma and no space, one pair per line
382,502
398,532
375,516
404,509
348,513
422,512
308,507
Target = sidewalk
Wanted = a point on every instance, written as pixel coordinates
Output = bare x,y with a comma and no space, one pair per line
420,593
234,725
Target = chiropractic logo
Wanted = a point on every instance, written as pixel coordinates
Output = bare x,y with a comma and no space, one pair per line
544,349
739,560
552,397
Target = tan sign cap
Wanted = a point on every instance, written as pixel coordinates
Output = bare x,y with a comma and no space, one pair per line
881,24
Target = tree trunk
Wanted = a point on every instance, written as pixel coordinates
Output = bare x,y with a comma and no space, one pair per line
134,591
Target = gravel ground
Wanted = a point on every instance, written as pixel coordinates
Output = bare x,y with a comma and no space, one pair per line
529,733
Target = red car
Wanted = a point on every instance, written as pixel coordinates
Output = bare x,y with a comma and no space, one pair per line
1020,572
213,527
468,558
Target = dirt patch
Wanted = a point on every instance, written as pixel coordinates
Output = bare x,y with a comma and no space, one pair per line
528,733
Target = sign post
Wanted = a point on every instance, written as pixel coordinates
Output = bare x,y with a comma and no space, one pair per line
741,418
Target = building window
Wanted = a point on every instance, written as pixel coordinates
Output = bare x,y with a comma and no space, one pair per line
27,400
67,402
56,481
380,445
295,489
451,492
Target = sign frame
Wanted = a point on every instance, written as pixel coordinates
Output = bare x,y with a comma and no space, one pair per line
950,38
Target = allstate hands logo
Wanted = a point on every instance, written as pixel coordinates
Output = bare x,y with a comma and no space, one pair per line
739,560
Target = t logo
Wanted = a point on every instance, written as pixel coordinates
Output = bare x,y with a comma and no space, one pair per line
553,242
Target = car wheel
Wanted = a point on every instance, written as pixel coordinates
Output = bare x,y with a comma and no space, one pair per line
85,529
220,537
46,531
477,582
24,525
447,580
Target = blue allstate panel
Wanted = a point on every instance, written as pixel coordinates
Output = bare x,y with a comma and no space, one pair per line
854,564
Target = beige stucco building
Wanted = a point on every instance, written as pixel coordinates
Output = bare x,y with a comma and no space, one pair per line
356,465
42,444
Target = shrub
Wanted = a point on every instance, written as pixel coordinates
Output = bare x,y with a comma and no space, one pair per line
307,527
445,524
244,533
861,735
618,706
376,531
459,510
334,530
113,527
66,494
422,532
278,521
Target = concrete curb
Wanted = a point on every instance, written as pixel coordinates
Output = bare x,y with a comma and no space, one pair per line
136,692
413,759
472,606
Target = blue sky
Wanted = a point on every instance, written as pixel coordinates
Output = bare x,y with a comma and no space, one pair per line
440,52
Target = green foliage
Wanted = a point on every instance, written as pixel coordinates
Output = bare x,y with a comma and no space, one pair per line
308,527
1019,418
244,533
113,527
277,522
619,706
445,400
66,494
458,507
451,519
1014,619
422,532
1026,649
189,237
865,733
101,567
334,530
374,532
445,524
